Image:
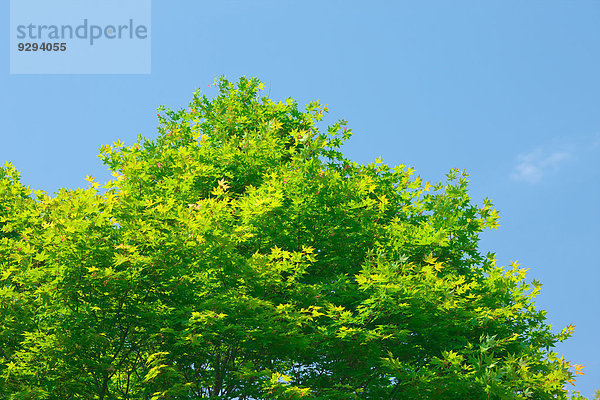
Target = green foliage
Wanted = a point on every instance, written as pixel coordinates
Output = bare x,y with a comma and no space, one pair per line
241,256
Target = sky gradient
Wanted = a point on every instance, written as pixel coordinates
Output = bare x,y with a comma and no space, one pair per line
509,91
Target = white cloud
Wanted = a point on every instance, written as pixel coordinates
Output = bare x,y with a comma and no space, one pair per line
533,166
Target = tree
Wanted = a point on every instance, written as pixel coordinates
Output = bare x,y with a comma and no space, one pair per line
241,256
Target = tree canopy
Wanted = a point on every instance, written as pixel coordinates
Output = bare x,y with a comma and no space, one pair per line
240,255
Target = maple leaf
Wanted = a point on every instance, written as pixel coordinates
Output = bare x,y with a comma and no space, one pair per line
223,184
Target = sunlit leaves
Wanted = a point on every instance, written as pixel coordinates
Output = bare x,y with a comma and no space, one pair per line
240,255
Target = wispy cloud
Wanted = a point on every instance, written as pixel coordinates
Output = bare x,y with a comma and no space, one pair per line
533,166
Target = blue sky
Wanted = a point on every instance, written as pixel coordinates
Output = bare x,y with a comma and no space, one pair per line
507,90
